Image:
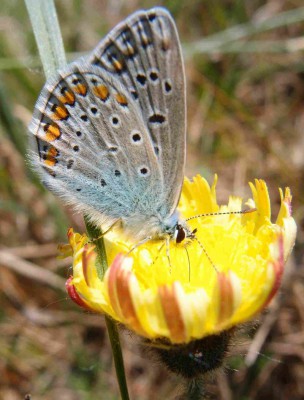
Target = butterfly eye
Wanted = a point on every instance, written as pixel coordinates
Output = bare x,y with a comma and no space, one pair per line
179,234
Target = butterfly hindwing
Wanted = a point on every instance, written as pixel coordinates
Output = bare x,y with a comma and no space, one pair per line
93,147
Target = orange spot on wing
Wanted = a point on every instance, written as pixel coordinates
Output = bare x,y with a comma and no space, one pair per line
50,157
101,91
130,51
80,89
117,65
145,41
52,132
67,98
60,113
165,45
121,99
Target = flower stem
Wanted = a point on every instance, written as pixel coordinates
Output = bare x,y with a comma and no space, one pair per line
102,265
194,390
117,355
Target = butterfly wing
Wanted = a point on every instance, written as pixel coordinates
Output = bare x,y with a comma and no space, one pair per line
92,147
144,53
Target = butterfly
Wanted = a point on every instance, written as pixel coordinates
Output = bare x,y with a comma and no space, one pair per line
108,131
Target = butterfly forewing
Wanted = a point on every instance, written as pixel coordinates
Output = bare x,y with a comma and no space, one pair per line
144,53
93,147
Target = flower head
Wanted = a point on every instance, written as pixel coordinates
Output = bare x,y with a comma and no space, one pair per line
222,277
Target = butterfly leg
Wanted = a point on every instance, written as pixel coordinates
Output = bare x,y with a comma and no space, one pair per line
104,233
168,251
159,251
145,240
189,269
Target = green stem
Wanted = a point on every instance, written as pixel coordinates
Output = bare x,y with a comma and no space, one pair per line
118,359
195,390
102,265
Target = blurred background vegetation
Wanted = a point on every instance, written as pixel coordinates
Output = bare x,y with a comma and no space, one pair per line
245,87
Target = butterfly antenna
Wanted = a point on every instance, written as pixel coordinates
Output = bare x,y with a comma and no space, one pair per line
143,241
206,254
247,211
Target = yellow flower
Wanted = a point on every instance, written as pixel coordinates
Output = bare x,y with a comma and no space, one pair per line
223,277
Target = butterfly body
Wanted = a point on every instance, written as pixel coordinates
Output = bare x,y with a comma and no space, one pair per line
156,227
108,131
